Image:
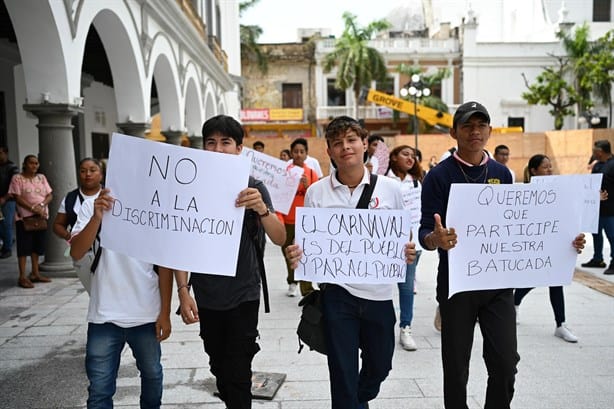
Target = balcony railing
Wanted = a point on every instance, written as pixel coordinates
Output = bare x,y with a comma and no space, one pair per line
366,112
401,45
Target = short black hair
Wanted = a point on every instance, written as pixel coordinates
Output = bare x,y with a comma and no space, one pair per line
223,125
258,143
374,138
500,148
299,141
603,145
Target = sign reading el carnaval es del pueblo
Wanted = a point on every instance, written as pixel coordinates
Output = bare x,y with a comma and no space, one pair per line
352,245
512,236
174,206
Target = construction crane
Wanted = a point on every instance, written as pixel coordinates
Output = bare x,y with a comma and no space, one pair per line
431,116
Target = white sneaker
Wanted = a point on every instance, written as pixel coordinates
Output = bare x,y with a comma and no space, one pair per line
437,320
406,340
292,290
517,308
565,333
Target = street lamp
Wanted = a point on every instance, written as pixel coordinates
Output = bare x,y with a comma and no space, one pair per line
589,116
415,89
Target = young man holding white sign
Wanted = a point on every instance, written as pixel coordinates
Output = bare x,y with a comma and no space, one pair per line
356,316
459,313
129,304
227,307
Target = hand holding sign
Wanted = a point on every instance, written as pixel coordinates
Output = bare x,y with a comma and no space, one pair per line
251,199
441,237
294,255
579,243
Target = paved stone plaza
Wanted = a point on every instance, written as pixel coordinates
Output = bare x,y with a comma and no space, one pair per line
42,341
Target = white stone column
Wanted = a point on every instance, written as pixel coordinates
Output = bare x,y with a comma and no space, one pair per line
173,137
196,141
57,163
133,128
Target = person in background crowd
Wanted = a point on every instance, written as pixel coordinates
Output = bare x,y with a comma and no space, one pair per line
90,185
502,155
371,162
404,168
32,194
540,165
7,203
285,155
258,146
356,316
227,307
602,152
299,151
432,162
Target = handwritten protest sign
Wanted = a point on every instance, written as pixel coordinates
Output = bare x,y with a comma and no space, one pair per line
512,236
171,206
280,180
352,245
587,186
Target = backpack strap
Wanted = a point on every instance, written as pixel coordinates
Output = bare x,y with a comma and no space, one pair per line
98,251
259,248
69,204
367,192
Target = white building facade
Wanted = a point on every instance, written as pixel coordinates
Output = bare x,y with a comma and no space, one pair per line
496,42
74,72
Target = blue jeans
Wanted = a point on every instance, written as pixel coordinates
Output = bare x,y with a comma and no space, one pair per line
606,223
406,293
105,343
6,225
353,323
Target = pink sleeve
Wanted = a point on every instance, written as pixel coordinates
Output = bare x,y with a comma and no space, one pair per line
15,186
46,184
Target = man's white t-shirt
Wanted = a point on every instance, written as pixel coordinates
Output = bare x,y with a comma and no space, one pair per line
125,291
330,193
77,206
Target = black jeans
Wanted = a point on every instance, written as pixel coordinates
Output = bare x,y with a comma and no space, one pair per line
497,319
229,338
353,323
557,300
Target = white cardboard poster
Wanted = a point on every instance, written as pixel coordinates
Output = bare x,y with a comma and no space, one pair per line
512,236
588,186
352,245
280,179
174,206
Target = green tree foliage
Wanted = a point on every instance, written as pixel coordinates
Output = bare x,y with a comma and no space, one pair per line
551,88
250,49
597,68
357,63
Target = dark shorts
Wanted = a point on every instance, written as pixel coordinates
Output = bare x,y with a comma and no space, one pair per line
29,242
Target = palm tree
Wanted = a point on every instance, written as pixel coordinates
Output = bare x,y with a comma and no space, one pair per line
357,63
249,39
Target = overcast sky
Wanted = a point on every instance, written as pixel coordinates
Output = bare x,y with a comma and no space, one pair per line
280,19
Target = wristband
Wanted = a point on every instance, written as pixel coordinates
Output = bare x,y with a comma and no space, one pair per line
268,212
183,286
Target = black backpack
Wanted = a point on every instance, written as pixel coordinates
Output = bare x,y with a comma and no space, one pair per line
69,204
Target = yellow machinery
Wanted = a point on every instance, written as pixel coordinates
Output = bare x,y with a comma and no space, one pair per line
431,116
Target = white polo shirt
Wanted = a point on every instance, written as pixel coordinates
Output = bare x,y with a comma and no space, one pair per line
328,192
125,291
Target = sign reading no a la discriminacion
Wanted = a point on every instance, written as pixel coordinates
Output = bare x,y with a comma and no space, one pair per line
280,179
512,236
352,245
174,206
